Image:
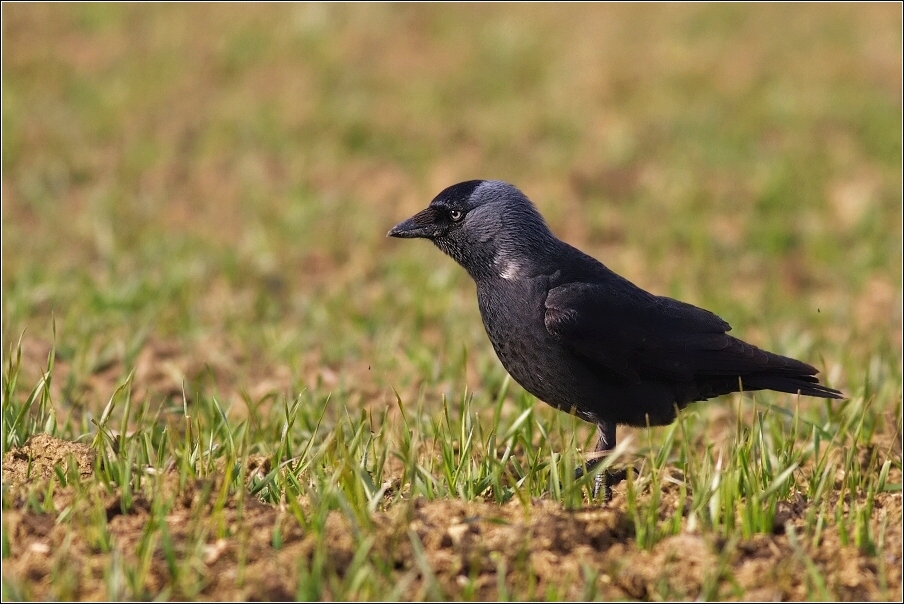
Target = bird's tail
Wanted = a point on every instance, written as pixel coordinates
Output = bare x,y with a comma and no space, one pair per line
759,369
807,385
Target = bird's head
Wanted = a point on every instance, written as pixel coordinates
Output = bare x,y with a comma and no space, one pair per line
488,226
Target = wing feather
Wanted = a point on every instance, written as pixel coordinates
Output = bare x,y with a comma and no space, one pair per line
636,335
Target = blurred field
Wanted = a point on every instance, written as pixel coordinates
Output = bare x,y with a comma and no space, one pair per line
195,200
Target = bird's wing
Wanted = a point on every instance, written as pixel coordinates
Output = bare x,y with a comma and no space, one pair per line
634,334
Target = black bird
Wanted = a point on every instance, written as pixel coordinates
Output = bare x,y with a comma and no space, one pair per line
582,338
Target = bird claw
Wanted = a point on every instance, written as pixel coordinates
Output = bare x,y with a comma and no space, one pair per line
605,480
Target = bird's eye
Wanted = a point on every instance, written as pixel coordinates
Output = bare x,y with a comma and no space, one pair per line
455,215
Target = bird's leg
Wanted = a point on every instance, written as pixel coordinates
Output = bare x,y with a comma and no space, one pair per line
606,479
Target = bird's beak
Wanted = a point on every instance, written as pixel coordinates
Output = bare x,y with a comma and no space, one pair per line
422,224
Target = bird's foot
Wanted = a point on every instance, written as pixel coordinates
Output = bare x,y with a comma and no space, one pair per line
605,480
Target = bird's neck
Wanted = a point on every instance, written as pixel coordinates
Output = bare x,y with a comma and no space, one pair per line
514,260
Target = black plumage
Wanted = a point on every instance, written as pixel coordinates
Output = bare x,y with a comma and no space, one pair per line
580,337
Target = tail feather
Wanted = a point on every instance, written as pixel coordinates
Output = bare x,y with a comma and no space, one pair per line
729,360
802,383
807,385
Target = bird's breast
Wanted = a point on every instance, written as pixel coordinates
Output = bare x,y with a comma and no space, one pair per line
513,315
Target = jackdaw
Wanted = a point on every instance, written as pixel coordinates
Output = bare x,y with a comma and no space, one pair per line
582,338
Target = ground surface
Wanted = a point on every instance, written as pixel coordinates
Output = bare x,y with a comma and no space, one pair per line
221,381
473,549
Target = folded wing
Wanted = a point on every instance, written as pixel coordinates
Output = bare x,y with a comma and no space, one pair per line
634,335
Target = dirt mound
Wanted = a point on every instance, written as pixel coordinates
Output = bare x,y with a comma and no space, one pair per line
41,457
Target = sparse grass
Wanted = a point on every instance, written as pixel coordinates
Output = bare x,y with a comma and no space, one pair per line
264,398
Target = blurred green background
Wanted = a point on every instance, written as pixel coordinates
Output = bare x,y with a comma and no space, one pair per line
214,183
